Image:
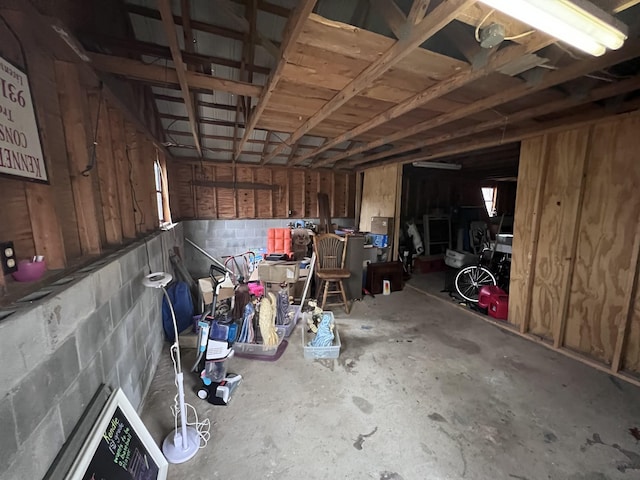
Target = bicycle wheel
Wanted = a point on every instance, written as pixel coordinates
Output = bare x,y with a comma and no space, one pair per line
469,280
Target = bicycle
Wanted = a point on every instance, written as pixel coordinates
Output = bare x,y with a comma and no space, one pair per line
486,272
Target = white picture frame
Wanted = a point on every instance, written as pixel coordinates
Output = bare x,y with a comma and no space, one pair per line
109,436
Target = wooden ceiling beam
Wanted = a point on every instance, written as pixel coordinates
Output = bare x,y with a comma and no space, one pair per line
242,23
290,158
292,31
201,103
498,138
208,121
269,7
201,26
458,80
608,91
430,25
137,70
189,46
181,70
392,15
418,11
575,70
121,46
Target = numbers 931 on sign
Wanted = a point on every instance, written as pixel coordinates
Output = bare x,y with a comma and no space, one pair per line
12,93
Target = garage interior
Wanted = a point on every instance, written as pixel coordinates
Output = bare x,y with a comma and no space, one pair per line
158,124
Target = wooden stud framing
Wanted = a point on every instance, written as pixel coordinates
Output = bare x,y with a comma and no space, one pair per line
535,232
557,77
439,18
565,295
47,235
116,124
106,171
623,329
289,37
73,117
180,68
159,75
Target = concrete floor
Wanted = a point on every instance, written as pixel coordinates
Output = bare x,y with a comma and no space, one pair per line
422,390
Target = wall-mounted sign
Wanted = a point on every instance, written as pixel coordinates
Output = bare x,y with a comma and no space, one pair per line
20,149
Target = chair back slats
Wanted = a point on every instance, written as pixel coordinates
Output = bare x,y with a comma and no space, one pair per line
331,250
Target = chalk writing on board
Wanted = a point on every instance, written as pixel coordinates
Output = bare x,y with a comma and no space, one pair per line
121,455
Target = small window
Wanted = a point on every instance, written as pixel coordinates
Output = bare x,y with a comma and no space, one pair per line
158,180
489,197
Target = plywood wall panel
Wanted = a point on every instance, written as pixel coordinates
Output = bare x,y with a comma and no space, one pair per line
182,176
379,194
312,183
14,218
340,195
246,197
531,153
631,355
264,201
281,196
557,222
225,197
297,193
603,271
206,205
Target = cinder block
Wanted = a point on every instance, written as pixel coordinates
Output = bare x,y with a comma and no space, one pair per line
131,263
108,281
63,312
23,343
121,303
137,288
47,439
75,400
34,397
92,334
8,438
113,348
126,362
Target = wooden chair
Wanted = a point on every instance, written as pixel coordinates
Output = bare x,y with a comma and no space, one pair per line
331,251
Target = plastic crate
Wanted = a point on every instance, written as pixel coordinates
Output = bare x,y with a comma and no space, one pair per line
312,353
290,326
258,349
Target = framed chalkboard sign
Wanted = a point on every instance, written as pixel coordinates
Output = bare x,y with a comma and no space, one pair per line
119,447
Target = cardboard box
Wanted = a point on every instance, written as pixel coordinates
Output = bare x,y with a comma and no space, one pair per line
206,290
381,225
279,272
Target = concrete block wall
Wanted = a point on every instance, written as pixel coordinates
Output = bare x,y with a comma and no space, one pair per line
221,238
103,326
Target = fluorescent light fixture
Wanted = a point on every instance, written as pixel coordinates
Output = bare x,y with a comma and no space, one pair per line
438,165
578,23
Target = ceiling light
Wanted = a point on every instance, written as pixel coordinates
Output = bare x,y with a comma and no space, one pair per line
438,165
578,22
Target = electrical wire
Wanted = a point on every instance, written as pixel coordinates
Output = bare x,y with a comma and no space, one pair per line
92,158
136,205
482,23
203,428
513,37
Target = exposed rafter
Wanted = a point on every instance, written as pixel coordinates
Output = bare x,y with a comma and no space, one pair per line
158,75
418,10
393,16
181,70
294,149
430,25
553,78
612,90
243,24
291,32
596,114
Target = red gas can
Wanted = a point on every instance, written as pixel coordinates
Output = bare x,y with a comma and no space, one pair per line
499,307
486,293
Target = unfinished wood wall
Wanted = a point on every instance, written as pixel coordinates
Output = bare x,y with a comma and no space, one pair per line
75,214
576,242
211,191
